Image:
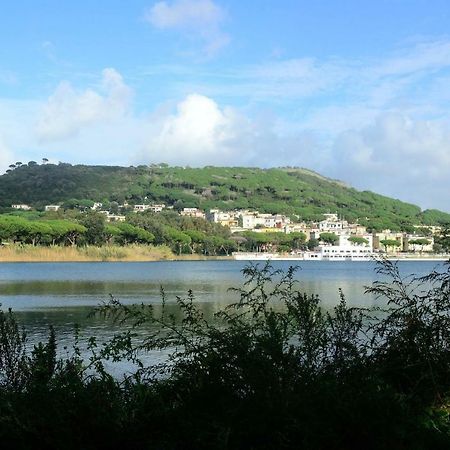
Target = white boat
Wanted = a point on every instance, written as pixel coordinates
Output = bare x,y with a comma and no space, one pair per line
257,256
325,253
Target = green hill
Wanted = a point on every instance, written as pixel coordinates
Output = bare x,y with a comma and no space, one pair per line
292,191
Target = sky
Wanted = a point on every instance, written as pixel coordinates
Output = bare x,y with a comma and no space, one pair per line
357,90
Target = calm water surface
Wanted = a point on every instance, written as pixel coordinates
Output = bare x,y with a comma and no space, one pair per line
64,293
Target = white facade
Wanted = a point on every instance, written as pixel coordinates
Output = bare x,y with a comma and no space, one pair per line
157,208
328,225
193,212
52,207
251,220
23,207
140,208
418,247
115,218
346,249
353,253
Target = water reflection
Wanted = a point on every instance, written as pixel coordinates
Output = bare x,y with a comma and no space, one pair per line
63,294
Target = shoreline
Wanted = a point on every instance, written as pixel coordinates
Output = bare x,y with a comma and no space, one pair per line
142,253
132,253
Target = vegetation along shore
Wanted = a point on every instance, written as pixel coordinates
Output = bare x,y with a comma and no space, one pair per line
158,212
274,370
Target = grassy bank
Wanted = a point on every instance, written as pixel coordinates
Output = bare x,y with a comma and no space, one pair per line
29,253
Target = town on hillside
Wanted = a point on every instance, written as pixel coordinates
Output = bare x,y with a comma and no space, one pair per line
332,238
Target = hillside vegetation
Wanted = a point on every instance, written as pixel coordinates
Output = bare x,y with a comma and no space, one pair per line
290,191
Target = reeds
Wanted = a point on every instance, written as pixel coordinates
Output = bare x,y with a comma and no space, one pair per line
30,253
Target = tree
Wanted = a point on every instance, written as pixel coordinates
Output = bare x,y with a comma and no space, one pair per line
389,243
443,239
95,224
198,240
312,244
297,239
421,242
329,238
177,238
358,240
65,232
131,234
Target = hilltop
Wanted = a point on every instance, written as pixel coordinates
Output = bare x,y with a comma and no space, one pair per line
291,191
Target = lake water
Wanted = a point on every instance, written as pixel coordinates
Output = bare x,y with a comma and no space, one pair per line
64,293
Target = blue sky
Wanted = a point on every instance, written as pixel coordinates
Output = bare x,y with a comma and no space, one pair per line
357,90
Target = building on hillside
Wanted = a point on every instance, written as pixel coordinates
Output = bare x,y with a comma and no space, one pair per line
96,206
252,220
192,212
157,208
115,218
299,228
387,235
225,218
414,243
21,206
357,229
268,230
52,207
332,223
433,229
141,208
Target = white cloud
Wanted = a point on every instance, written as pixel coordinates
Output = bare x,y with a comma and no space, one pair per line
195,18
67,111
185,14
398,156
425,56
201,132
198,131
381,125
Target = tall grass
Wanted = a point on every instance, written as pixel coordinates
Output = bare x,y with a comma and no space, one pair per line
30,253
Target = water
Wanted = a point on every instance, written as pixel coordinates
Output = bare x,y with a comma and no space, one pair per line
63,294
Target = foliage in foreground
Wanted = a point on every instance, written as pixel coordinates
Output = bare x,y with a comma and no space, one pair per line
272,371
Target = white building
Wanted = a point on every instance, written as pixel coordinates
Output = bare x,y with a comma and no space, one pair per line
332,223
337,253
140,208
22,206
193,212
252,220
52,207
348,249
225,218
424,243
115,218
157,208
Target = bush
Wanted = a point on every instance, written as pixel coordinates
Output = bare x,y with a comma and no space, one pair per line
273,370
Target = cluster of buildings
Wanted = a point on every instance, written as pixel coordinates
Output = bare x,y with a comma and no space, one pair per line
349,236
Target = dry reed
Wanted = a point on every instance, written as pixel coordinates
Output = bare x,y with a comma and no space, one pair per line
29,253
